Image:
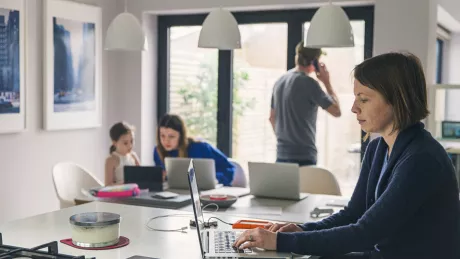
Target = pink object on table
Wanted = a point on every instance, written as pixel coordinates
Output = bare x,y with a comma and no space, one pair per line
119,191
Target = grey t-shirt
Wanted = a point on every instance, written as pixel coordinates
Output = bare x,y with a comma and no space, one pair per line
295,99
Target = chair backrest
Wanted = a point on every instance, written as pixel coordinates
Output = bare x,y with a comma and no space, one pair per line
318,180
239,179
69,178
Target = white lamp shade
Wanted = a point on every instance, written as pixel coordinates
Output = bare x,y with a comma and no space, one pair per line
330,28
125,33
220,31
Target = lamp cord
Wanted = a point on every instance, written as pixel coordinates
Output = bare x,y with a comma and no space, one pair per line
126,6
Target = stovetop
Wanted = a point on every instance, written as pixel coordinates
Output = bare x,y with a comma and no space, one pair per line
51,252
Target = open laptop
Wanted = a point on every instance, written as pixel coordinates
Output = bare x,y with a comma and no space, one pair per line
177,167
218,243
146,177
275,180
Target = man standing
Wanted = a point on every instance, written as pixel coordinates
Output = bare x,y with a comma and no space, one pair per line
294,107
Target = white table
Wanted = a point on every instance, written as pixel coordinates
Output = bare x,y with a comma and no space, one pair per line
292,211
54,226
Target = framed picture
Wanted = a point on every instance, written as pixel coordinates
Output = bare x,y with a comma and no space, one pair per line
72,65
12,77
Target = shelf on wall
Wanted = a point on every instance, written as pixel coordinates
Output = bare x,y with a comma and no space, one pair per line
447,86
448,139
455,151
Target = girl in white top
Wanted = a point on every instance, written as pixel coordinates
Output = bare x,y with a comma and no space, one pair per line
121,153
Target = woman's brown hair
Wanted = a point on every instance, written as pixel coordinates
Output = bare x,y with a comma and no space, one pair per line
399,78
174,122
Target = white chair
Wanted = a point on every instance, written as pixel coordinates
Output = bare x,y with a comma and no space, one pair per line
318,180
239,179
69,178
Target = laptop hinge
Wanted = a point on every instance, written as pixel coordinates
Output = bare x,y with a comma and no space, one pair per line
207,242
205,238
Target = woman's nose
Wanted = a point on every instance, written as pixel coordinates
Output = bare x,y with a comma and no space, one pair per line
354,108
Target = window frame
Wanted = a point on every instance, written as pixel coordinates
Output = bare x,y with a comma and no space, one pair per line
439,59
294,19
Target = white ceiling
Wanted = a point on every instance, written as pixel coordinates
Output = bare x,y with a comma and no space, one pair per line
448,10
449,14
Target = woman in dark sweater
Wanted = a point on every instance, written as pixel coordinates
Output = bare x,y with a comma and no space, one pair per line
406,201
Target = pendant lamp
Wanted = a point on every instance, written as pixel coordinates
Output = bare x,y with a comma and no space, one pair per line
125,33
220,31
330,28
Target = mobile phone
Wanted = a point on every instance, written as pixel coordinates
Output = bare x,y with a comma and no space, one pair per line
321,211
316,65
164,195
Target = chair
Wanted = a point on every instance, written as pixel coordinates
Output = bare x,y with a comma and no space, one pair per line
69,178
239,179
317,180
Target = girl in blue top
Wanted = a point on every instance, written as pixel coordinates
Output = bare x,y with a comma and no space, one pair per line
173,141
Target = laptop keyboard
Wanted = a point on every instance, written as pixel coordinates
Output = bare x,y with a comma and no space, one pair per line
224,240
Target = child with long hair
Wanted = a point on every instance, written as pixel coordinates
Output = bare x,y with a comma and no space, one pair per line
121,153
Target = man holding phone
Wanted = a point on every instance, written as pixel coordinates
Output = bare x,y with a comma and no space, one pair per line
294,107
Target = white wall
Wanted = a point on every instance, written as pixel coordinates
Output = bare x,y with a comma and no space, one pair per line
452,7
395,30
451,75
26,158
149,91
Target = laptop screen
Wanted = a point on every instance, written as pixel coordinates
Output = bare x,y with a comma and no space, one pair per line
196,203
146,177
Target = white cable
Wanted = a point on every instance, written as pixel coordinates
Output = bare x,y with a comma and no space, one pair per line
210,204
182,229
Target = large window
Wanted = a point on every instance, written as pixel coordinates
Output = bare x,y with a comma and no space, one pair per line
193,82
447,105
439,59
337,138
256,67
224,96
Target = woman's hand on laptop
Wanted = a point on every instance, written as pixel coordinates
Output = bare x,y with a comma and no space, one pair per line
257,237
286,227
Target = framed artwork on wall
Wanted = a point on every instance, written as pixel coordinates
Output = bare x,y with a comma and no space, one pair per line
12,66
72,65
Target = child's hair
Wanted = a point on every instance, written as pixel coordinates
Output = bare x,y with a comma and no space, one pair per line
119,129
176,123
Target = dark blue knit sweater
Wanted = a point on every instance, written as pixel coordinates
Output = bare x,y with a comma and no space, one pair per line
416,214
